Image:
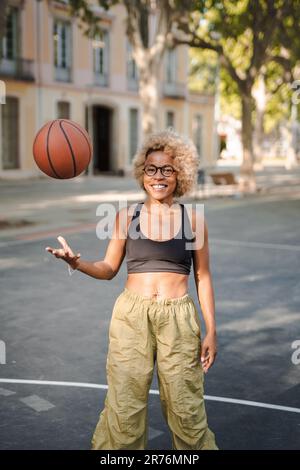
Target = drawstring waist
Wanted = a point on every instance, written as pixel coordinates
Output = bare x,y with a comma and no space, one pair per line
167,301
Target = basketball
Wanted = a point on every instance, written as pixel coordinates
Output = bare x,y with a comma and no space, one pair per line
62,149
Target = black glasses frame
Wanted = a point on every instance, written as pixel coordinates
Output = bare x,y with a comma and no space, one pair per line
161,168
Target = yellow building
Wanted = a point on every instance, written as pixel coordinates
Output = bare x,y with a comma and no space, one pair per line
49,69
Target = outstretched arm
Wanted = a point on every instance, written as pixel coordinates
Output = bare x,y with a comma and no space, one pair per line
107,268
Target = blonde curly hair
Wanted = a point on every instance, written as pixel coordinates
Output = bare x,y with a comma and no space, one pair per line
180,148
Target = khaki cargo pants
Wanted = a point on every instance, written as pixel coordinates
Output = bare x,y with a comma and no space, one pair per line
144,331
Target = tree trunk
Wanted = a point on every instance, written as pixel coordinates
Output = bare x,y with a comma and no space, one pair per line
148,91
247,181
291,157
260,97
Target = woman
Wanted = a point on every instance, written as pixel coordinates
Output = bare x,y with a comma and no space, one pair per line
154,319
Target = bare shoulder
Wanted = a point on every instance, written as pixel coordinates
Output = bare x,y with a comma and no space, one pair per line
127,210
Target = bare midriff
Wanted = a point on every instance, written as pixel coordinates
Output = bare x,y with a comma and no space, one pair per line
158,285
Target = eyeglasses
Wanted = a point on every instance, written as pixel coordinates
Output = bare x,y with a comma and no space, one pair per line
166,170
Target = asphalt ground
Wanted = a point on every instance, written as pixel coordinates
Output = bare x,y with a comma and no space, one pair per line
55,326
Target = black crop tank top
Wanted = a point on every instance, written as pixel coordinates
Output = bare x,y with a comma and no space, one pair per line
146,255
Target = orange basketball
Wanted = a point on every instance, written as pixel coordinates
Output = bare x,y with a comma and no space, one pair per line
62,149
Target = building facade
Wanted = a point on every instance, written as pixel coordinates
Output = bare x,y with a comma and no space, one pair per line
49,70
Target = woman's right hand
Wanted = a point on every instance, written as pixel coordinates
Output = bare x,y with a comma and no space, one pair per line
65,253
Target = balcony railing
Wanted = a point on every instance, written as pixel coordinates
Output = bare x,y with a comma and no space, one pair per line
174,90
20,69
101,79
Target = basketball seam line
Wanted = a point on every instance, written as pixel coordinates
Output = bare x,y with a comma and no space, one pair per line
48,153
70,147
77,128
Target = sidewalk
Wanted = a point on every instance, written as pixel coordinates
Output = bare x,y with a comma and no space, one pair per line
38,205
270,180
33,207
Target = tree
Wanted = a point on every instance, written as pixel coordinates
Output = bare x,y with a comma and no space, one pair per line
203,79
243,34
149,28
286,57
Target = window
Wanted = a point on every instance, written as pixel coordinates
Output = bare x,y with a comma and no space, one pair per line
133,132
62,50
132,71
2,92
101,58
10,133
63,110
171,65
170,119
197,132
9,43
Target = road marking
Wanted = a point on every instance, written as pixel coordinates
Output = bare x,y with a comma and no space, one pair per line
6,393
21,242
48,235
154,392
37,403
153,433
278,246
35,237
53,232
253,403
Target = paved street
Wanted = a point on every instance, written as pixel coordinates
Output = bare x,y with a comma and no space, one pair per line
55,326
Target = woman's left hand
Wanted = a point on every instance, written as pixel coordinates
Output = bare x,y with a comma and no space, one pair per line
208,351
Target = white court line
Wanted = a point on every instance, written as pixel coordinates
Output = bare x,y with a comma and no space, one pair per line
252,403
278,246
44,237
20,242
154,392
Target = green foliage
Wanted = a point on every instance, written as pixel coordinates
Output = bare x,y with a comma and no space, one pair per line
246,35
203,70
250,36
230,102
203,79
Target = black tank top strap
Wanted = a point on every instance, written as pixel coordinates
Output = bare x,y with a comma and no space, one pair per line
136,214
187,231
137,210
182,217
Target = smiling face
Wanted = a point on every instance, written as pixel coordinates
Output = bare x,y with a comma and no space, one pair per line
158,186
